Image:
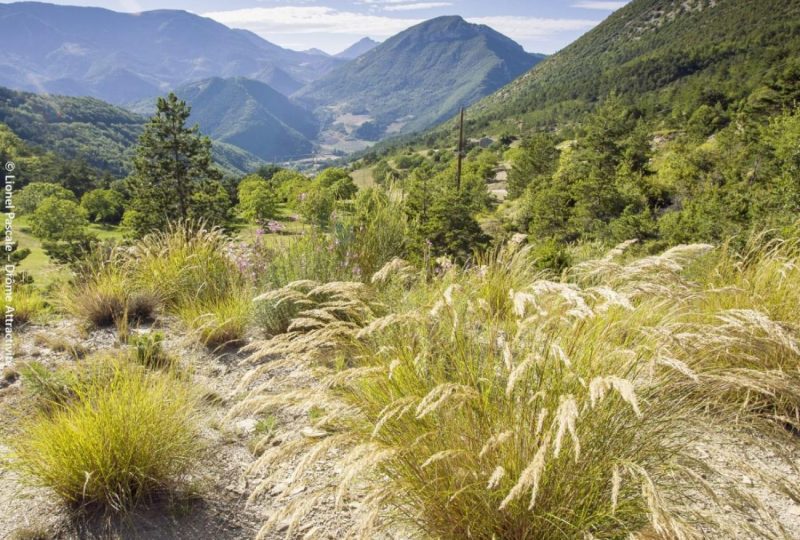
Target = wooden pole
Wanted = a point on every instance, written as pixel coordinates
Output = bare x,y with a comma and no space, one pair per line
460,149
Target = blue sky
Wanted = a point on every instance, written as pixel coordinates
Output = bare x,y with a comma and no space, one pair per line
331,25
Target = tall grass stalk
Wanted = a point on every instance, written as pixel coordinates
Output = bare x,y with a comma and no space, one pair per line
492,402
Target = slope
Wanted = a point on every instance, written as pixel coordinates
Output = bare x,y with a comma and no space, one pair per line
666,57
252,116
357,49
122,57
420,76
90,130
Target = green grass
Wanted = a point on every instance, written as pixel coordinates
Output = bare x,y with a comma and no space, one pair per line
38,265
118,441
363,177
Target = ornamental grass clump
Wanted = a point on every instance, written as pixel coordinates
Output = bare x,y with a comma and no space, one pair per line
105,292
492,402
119,440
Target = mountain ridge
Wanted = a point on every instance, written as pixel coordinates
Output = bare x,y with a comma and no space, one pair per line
357,49
123,57
421,75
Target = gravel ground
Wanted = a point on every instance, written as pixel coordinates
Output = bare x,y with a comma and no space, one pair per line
222,511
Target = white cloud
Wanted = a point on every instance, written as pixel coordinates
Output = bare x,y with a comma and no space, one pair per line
527,28
330,28
310,19
417,5
603,6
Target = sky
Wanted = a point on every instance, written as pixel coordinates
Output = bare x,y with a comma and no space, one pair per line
542,26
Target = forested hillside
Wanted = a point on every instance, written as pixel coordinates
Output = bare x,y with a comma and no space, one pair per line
421,76
667,57
92,131
669,122
252,116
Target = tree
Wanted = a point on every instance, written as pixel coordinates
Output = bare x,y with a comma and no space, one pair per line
61,224
211,204
31,196
172,164
257,200
339,182
103,205
289,185
316,206
535,164
268,171
440,216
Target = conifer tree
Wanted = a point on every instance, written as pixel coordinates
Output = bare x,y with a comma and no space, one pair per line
172,164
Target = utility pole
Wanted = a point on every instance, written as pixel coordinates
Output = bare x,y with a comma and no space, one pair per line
460,149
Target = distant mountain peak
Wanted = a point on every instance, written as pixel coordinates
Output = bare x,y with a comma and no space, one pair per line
150,51
421,75
358,48
317,52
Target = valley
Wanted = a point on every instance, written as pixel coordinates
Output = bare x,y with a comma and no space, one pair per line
262,281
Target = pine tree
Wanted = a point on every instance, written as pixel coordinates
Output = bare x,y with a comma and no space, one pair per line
172,164
536,164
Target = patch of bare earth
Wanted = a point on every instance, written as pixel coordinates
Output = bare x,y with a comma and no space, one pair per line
218,507
223,507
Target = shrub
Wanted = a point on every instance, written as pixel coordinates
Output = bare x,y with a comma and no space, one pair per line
117,443
219,322
48,387
148,350
359,244
186,264
192,270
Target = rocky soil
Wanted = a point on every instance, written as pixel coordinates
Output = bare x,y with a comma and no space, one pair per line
221,509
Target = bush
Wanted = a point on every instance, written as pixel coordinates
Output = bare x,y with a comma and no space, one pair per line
257,201
187,271
186,264
220,322
49,388
103,205
148,350
117,443
192,270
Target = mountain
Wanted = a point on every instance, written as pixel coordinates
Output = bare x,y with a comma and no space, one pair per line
316,52
89,129
667,57
419,77
123,57
252,116
358,48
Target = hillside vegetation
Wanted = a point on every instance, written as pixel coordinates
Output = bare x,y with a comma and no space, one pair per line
587,327
252,116
662,55
422,75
